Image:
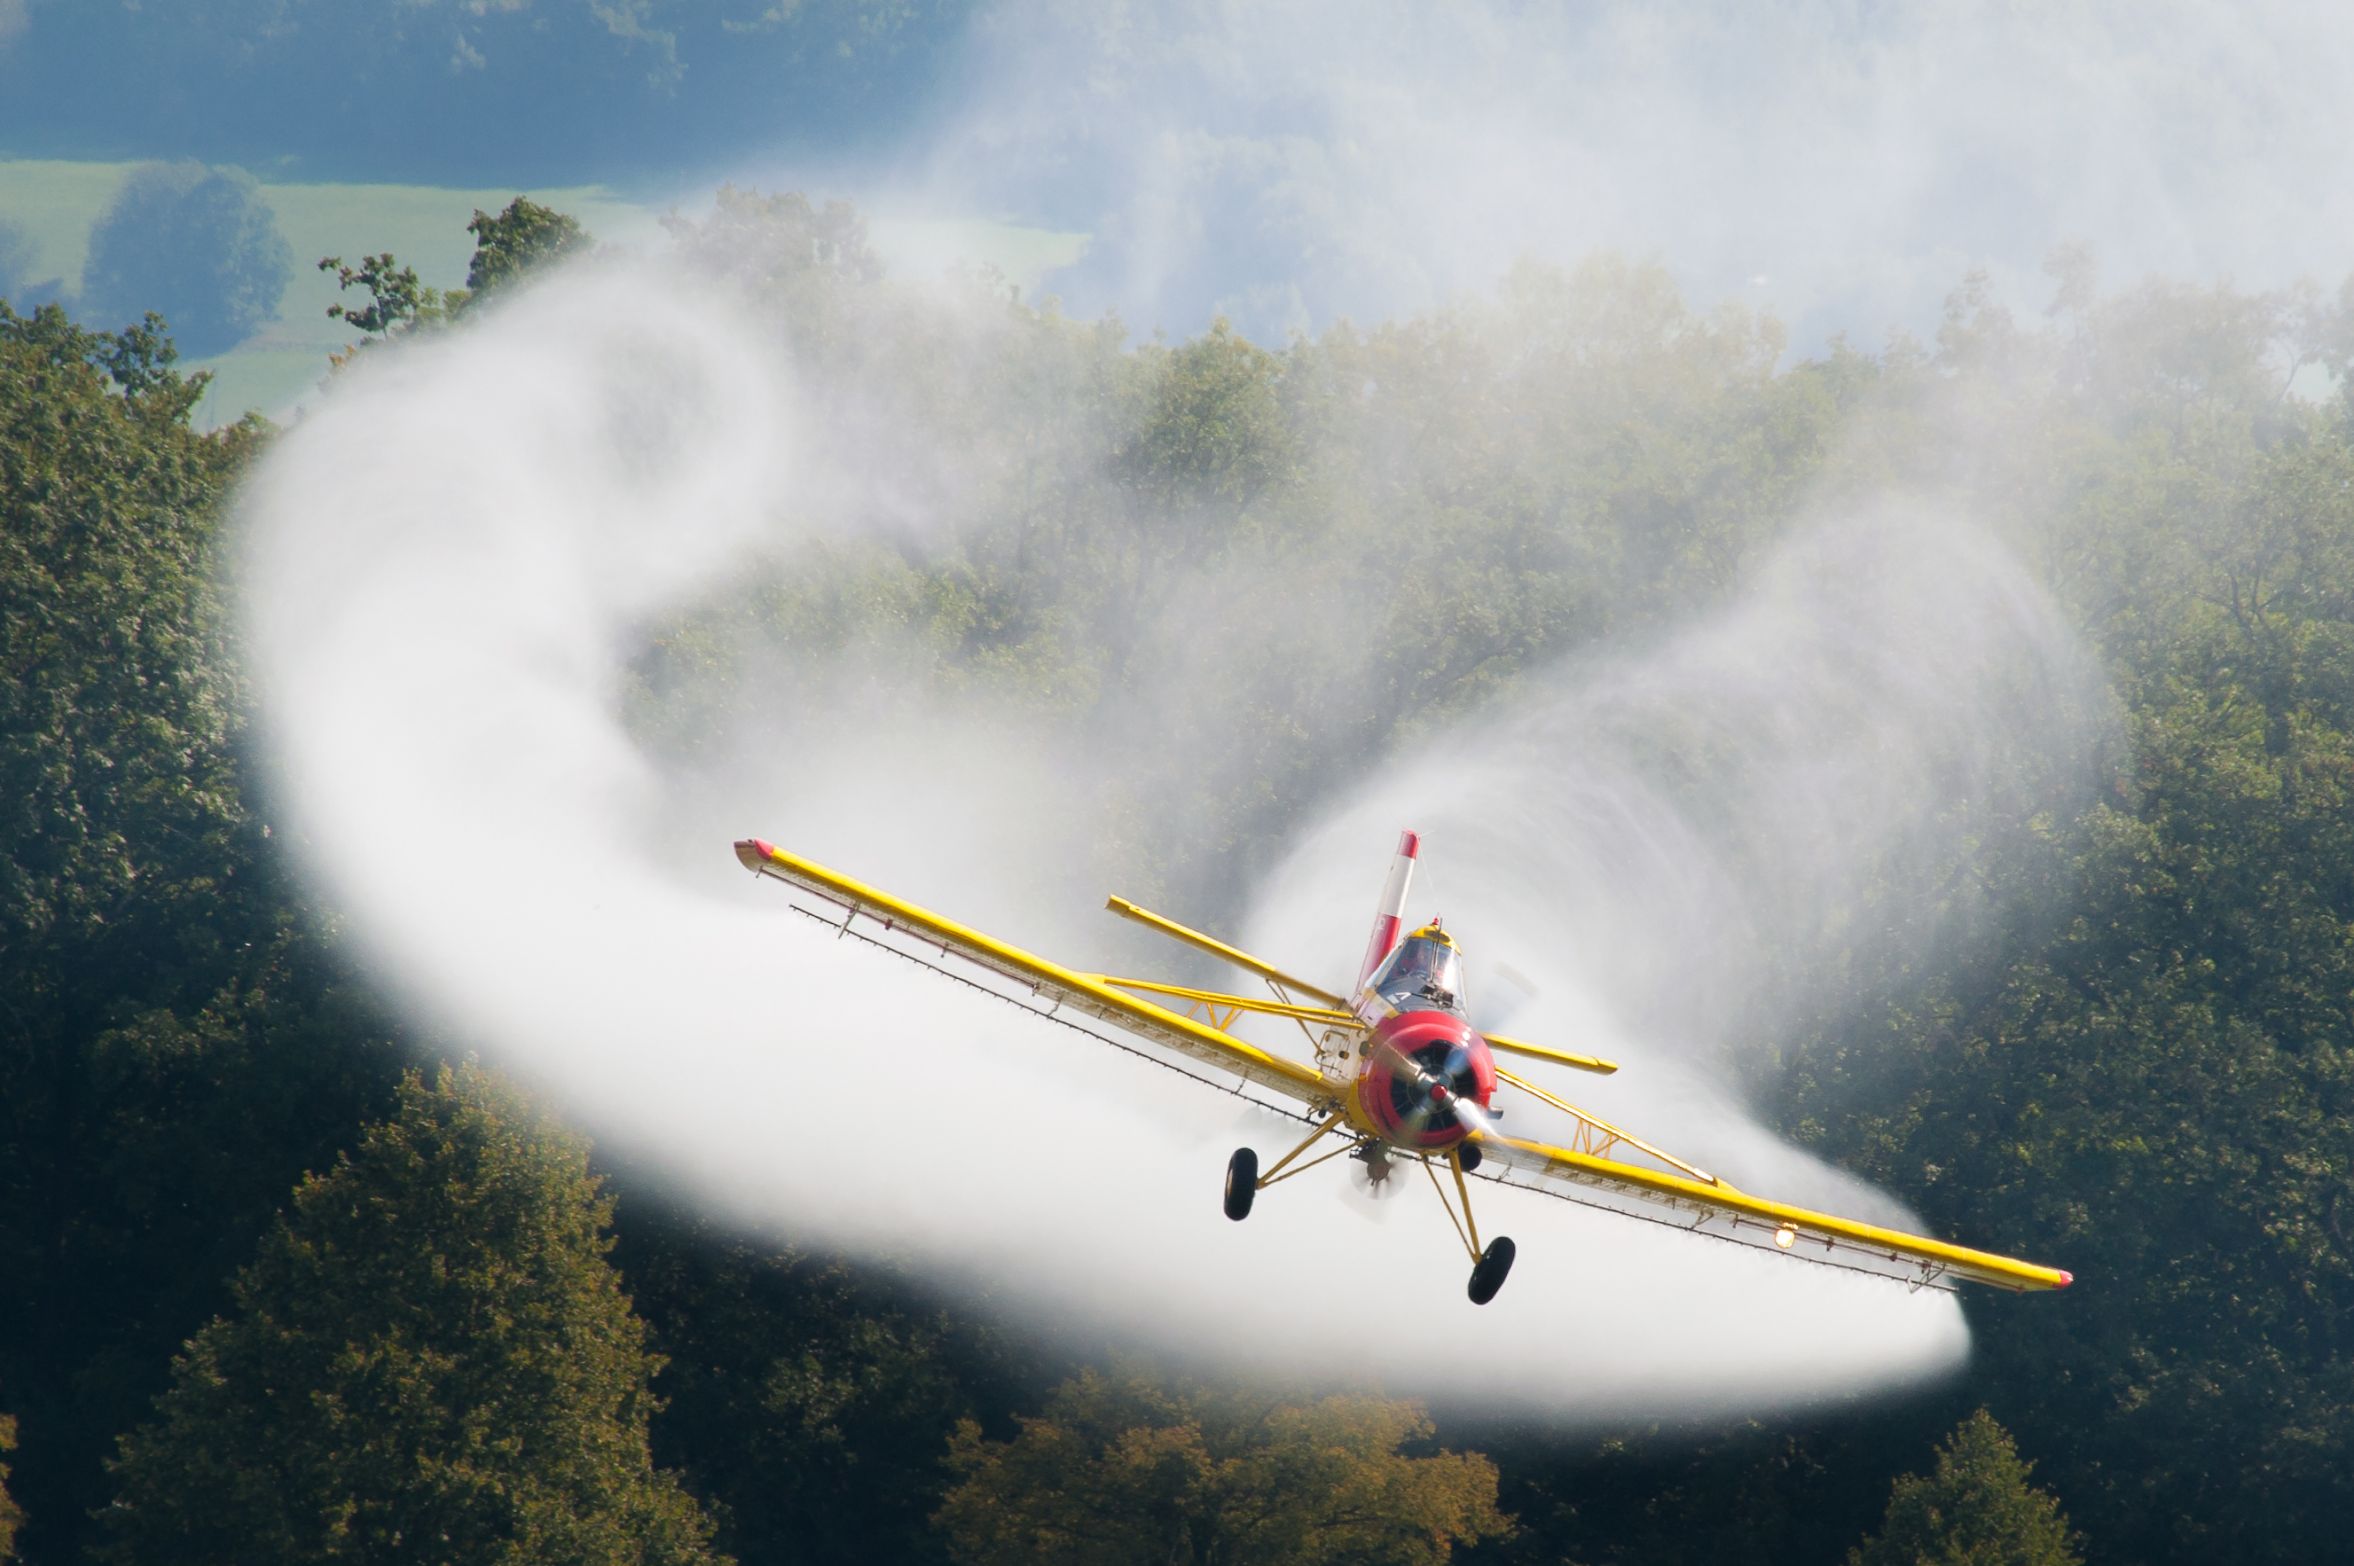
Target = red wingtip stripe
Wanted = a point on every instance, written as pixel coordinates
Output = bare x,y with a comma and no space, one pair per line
1410,844
752,852
2067,1278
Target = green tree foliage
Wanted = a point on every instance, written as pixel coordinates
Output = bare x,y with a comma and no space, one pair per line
816,1399
803,268
175,1042
1977,1509
198,245
767,241
1214,437
398,301
431,1358
1122,1468
507,247
11,1516
2146,1076
2138,1065
519,239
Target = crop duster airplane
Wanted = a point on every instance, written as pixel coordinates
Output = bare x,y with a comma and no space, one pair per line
1400,1076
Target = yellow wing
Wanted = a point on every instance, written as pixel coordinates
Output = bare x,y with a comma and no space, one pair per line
1559,1057
1030,980
1683,1194
1693,1198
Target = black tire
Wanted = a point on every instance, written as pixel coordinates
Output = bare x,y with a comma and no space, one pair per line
1495,1264
1242,1183
1467,1154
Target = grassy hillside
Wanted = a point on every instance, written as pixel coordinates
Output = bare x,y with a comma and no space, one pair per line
55,203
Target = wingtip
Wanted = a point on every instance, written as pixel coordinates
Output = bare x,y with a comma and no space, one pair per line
753,852
2067,1278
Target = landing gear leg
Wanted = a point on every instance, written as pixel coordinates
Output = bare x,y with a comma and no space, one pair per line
1488,1267
1242,1170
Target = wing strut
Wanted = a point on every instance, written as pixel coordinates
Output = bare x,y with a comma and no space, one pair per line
1596,1135
1220,950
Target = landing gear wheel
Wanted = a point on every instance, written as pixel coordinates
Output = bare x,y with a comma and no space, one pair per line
1467,1154
1242,1183
1489,1275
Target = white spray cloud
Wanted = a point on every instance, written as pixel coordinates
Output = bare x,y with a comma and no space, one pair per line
1843,164
1683,839
450,564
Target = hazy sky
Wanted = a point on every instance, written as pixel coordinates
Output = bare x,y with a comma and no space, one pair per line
1842,163
1294,161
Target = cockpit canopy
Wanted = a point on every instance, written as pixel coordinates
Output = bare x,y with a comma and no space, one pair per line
1424,973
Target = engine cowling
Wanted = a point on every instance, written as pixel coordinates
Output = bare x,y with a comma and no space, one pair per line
1413,1063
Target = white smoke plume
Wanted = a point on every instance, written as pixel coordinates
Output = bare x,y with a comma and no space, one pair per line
451,564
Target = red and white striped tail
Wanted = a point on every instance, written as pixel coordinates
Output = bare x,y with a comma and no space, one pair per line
1390,918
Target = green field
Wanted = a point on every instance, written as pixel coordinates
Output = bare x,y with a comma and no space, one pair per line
56,203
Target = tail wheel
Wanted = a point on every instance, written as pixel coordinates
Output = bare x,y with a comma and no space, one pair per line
1495,1264
1242,1183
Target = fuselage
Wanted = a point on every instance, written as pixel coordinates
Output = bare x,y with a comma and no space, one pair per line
1422,1060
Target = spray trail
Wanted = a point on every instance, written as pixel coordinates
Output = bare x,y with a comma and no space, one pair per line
449,568
1683,839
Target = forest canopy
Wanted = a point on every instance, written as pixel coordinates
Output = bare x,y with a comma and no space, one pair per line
2144,1067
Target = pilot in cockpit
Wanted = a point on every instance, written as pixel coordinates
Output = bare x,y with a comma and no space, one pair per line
1426,970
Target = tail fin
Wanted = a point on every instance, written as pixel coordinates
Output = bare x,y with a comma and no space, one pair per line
1390,917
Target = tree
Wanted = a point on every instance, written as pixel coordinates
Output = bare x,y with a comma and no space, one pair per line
1977,1509
1121,1469
812,1400
430,1359
772,241
1213,438
173,1053
398,300
10,1516
520,239
198,245
806,268
523,237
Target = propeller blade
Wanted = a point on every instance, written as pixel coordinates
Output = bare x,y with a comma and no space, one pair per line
1510,994
1518,990
1375,1174
1471,1117
1436,1091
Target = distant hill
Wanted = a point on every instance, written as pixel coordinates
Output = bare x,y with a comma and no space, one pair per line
433,91
47,207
